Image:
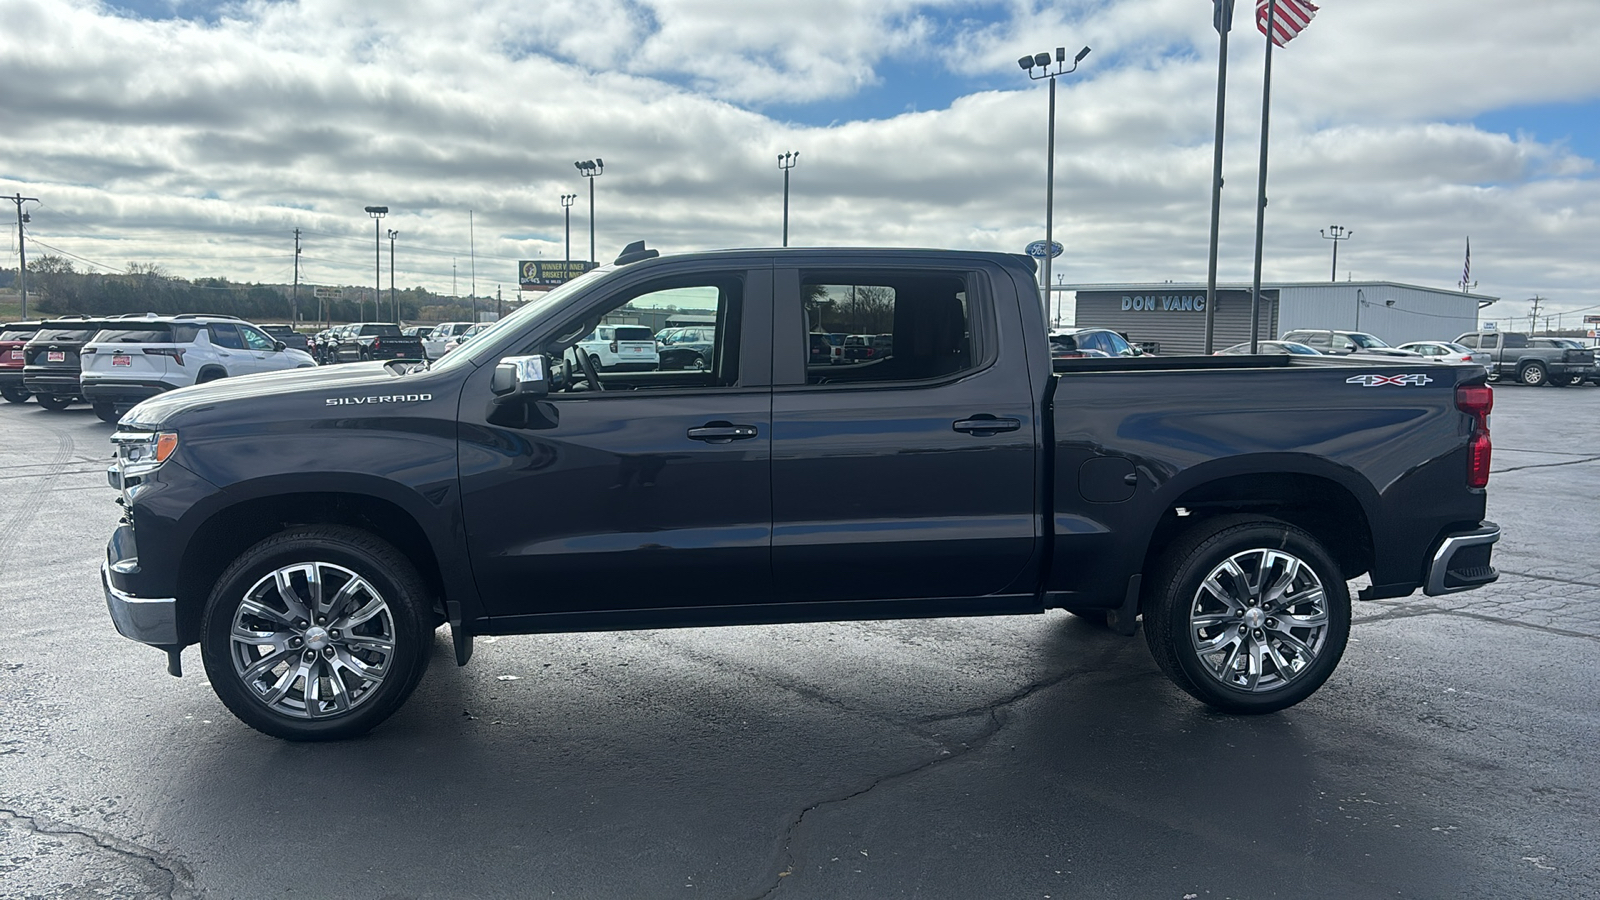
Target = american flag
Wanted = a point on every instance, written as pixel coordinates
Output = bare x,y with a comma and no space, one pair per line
1466,267
1292,17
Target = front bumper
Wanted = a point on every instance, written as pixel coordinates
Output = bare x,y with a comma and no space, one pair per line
1461,561
149,620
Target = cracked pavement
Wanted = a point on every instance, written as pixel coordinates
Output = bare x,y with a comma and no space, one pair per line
1451,754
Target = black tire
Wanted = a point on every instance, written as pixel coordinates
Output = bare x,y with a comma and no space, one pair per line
594,360
106,412
54,403
340,554
1174,600
15,394
1533,374
1568,381
698,363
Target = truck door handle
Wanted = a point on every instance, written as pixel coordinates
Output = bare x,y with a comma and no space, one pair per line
984,425
722,432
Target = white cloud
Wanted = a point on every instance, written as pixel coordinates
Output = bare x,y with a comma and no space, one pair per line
202,146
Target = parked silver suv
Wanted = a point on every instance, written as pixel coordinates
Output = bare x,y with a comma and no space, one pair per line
141,356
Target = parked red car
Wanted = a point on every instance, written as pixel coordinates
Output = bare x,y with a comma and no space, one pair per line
12,337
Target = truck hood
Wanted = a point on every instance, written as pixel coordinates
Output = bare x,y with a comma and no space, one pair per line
352,379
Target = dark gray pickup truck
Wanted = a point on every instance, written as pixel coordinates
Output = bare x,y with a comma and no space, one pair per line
1532,361
310,530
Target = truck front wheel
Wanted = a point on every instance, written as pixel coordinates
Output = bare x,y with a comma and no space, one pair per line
316,634
1247,614
1533,374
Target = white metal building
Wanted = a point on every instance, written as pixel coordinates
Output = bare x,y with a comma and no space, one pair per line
1167,313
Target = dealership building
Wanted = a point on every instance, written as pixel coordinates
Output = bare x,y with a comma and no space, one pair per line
1173,315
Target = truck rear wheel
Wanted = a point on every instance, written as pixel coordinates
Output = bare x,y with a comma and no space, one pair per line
316,634
54,403
1247,614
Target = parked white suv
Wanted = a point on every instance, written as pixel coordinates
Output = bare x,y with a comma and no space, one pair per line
434,344
622,347
142,356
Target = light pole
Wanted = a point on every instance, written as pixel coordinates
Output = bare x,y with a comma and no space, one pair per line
1336,233
566,210
591,169
393,309
787,161
1041,61
377,213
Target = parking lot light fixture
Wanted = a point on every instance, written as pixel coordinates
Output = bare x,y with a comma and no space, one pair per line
591,169
393,309
1336,233
1042,62
377,213
787,161
566,209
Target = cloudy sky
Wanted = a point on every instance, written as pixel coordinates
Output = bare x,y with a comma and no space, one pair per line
199,135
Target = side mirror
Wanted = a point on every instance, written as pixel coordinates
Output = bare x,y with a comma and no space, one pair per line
521,378
279,345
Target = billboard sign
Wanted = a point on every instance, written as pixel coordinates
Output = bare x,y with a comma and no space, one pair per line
327,293
538,274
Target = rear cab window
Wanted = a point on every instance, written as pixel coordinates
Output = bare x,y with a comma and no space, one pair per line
918,324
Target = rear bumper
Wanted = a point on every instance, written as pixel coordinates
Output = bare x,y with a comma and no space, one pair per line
122,392
149,620
11,377
1461,561
54,385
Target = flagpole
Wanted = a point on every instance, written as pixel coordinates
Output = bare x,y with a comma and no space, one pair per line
1261,194
1223,20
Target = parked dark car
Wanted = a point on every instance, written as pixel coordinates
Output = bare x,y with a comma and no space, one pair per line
310,530
51,359
860,348
294,340
372,340
1085,343
13,337
686,346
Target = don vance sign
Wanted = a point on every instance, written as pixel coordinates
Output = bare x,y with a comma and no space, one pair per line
1164,303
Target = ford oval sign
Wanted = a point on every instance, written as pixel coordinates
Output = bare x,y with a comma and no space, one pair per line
1037,251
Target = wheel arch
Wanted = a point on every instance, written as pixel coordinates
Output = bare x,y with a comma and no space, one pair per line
1324,503
228,532
210,372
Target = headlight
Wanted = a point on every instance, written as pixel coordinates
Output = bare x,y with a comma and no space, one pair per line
142,452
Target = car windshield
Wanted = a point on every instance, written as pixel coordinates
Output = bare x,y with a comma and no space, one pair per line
1366,341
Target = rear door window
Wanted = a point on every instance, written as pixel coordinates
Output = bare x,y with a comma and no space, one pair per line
225,335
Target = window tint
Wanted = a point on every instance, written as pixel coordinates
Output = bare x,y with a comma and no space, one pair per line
1366,341
66,334
257,340
17,335
225,335
1470,341
380,330
642,362
1314,339
159,333
1117,346
1514,340
897,327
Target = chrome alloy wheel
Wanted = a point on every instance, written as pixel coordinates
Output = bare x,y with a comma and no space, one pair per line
312,640
1258,620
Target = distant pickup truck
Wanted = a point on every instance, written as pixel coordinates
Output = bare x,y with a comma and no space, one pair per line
310,530
1532,361
360,341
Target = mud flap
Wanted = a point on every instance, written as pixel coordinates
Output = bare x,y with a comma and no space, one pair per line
1124,620
458,632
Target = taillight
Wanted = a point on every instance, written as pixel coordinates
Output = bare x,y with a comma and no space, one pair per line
174,352
1477,401
377,343
613,346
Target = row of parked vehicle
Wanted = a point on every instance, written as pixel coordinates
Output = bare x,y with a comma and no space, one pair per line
114,362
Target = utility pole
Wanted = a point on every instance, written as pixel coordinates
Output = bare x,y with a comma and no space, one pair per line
472,260
1336,233
497,303
590,168
1533,319
22,250
377,213
294,298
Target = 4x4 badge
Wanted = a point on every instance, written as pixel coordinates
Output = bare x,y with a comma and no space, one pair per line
1377,380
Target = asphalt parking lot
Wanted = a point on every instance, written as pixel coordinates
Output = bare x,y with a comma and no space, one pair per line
1451,755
